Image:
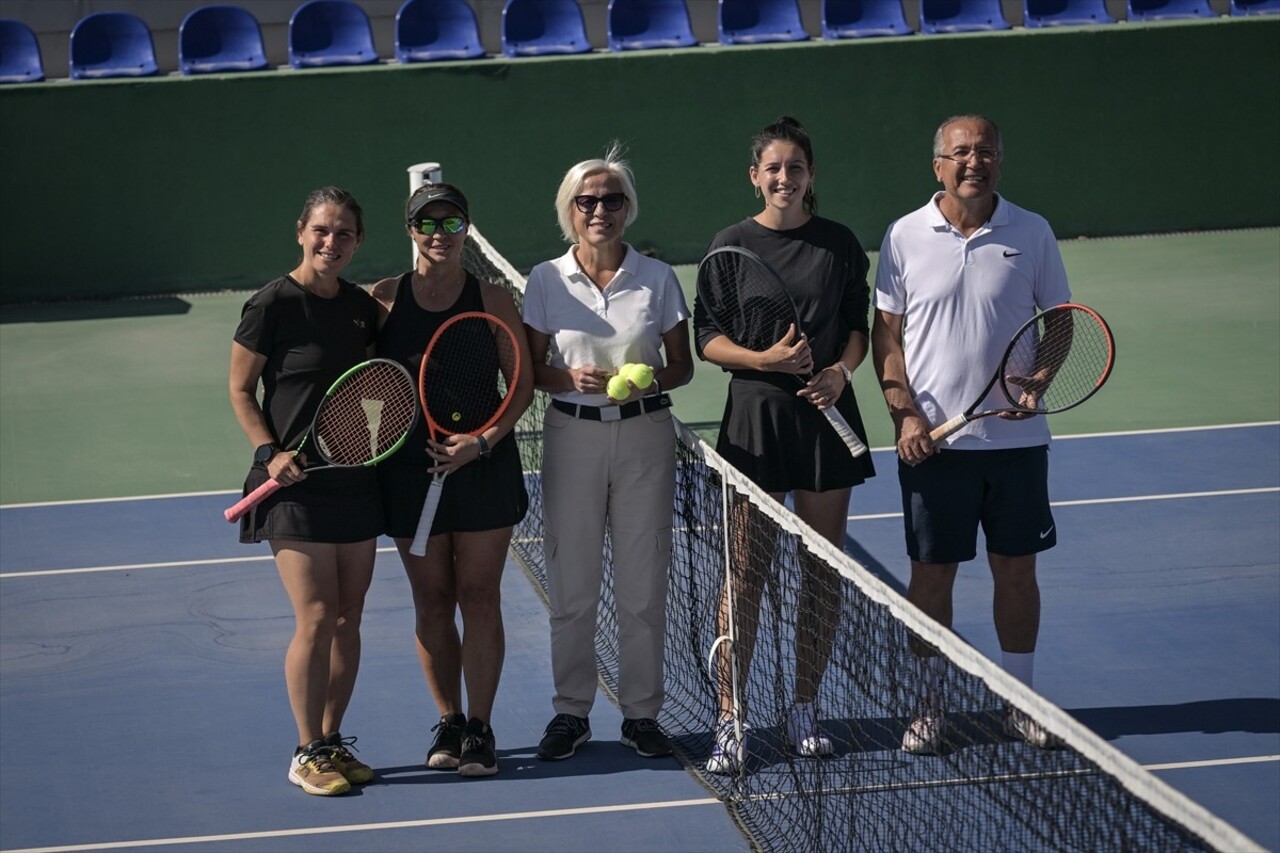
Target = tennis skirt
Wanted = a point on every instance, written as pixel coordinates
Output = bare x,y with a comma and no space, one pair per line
337,505
783,443
486,494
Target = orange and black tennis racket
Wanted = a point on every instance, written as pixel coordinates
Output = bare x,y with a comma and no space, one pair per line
467,379
1056,361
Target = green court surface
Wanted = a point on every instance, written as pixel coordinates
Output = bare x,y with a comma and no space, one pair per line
129,397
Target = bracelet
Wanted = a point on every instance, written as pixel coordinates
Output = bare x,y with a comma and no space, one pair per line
848,374
657,388
485,450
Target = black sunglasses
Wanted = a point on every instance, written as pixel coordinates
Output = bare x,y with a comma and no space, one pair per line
611,202
449,225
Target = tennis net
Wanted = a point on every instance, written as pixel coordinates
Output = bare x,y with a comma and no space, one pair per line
985,791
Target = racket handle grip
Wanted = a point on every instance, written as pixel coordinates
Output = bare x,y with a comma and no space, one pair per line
249,501
418,547
846,433
946,429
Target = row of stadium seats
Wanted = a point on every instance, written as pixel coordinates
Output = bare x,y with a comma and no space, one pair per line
226,38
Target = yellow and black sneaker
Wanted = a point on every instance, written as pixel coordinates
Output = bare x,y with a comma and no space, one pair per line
352,769
312,770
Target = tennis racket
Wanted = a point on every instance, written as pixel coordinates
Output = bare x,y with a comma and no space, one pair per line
1056,361
750,306
466,381
363,418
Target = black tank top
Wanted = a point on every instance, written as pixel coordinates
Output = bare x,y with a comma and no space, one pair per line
404,336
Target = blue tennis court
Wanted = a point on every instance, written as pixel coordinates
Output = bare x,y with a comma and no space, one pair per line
143,705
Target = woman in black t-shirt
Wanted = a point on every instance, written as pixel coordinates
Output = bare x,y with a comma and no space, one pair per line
297,335
777,436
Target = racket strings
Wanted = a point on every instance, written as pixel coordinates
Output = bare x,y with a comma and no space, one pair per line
745,299
1059,361
366,416
469,375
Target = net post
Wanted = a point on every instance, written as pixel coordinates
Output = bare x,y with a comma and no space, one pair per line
419,174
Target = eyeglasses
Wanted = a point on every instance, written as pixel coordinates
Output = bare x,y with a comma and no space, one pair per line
985,156
449,225
611,202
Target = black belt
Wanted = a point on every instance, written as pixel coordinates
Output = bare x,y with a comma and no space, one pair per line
615,413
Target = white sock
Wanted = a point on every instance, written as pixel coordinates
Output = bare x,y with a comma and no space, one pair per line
1021,665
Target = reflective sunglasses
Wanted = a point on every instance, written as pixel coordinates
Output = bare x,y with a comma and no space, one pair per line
611,202
449,225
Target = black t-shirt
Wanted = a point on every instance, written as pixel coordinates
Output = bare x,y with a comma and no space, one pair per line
309,341
825,270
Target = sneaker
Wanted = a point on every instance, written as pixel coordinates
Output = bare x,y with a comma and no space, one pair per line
564,734
645,737
478,757
352,769
802,730
446,749
1021,727
728,752
925,734
312,770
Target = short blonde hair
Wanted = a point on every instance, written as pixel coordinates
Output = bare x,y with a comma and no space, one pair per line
571,186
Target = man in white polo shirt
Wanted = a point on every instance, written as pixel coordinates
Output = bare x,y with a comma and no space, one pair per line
956,279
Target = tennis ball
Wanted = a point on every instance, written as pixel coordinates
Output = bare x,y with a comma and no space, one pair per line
618,389
641,375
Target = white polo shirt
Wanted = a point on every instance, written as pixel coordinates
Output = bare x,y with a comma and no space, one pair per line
621,324
962,300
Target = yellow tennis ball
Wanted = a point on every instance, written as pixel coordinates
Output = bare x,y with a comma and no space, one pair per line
641,375
618,389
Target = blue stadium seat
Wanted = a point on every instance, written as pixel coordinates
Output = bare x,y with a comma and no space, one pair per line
961,16
842,19
1255,7
1069,13
330,32
215,39
1157,10
756,21
428,30
538,27
649,24
19,54
111,44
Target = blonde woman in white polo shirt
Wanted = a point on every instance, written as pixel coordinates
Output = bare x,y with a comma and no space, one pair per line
606,463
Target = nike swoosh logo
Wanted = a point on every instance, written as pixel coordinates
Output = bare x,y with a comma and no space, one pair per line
1046,533
1009,254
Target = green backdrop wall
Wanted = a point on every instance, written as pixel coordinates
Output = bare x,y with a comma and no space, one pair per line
183,184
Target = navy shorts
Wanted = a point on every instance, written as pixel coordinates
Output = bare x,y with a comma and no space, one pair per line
946,498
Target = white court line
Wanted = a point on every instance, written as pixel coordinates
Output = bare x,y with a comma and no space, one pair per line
874,449
455,821
176,564
1262,490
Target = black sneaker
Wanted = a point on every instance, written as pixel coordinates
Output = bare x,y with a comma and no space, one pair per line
478,757
446,749
645,737
564,734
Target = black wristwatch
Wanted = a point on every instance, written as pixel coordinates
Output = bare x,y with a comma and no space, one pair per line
485,450
264,453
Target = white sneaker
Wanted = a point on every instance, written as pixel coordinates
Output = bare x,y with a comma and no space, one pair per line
925,734
728,752
1018,725
802,730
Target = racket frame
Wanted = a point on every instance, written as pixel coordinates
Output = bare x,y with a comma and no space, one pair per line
234,512
837,420
971,414
418,547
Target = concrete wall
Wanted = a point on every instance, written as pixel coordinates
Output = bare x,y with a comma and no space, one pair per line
174,184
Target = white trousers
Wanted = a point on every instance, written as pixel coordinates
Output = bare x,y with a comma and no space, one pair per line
620,474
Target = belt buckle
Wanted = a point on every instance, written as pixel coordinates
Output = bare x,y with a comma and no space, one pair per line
610,413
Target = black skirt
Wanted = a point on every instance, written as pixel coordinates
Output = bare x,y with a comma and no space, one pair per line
485,494
782,442
336,505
